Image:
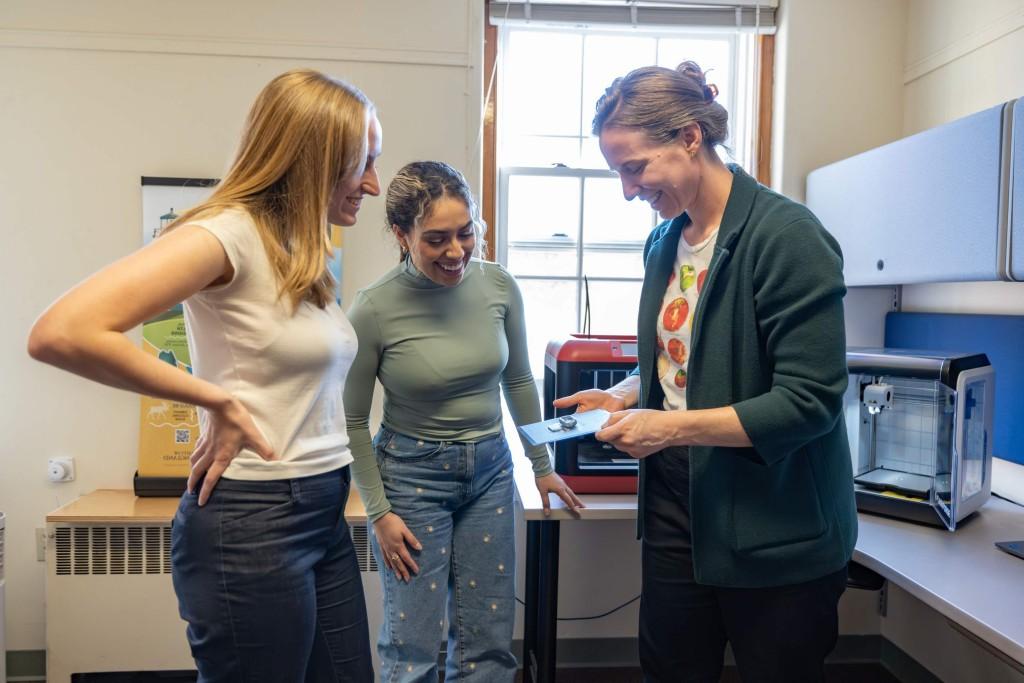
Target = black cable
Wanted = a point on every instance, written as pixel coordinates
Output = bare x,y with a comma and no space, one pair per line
586,309
596,616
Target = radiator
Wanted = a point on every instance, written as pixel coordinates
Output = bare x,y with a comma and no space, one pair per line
110,606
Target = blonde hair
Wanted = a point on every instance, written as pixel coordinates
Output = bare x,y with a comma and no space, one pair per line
414,189
661,102
305,132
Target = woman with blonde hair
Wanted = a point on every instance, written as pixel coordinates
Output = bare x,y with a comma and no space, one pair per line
262,561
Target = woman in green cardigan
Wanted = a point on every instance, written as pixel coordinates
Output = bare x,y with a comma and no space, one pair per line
746,494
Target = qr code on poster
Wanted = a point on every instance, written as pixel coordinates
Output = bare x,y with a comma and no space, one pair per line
182,436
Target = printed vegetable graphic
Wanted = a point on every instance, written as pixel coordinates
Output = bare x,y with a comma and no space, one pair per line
675,314
687,276
677,351
663,367
700,279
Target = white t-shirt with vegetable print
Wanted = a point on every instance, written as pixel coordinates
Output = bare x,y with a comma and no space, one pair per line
675,322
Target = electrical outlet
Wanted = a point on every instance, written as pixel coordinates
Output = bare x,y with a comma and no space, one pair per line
41,544
60,469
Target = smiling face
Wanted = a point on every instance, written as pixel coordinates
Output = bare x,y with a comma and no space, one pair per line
442,243
348,193
665,175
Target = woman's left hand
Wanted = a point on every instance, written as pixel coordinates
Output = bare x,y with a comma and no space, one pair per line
638,432
552,483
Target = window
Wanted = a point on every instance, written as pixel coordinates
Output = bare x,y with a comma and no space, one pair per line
563,227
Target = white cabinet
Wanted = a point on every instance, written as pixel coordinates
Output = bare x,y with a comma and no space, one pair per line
933,207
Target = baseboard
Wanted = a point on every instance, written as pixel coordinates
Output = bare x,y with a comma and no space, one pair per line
903,666
622,652
30,665
26,665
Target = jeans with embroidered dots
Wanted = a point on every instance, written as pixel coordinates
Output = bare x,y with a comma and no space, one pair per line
456,498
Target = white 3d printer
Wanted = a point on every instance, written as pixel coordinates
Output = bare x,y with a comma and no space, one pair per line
920,427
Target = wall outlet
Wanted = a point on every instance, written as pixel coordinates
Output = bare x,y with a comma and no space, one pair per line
41,544
60,469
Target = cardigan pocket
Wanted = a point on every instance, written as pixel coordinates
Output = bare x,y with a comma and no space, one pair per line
776,505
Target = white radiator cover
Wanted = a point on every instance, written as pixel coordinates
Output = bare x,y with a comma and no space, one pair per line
110,605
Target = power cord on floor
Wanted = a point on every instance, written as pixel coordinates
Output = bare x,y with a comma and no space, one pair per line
596,616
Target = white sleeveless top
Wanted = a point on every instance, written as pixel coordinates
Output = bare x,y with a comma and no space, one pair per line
287,369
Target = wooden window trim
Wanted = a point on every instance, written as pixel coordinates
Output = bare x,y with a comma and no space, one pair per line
765,90
490,157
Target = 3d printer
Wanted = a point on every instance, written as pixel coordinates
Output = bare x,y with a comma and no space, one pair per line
920,427
589,362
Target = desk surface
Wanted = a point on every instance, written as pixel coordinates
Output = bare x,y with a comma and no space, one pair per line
960,574
122,505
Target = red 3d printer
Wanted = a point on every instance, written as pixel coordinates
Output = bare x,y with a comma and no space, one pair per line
589,362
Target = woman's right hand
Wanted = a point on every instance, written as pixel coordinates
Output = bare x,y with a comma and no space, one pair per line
591,399
230,428
395,540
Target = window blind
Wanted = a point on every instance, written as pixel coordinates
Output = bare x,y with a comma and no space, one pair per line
737,15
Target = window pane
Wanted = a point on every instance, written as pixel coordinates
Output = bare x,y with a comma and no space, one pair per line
590,154
542,208
550,314
714,56
608,217
613,262
542,73
537,259
540,150
605,59
613,307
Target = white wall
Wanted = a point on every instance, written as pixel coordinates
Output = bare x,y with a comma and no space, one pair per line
97,95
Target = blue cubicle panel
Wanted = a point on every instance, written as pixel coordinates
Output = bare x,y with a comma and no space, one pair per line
1000,337
921,209
1015,259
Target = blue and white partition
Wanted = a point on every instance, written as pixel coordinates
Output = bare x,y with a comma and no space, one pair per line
922,209
1015,245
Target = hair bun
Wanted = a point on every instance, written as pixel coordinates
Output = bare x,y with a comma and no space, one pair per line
693,70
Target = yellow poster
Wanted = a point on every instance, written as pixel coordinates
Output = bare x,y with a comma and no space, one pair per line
168,430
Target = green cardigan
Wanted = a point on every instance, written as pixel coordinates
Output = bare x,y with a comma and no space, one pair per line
768,340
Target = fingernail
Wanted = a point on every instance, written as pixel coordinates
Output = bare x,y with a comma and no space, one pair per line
419,547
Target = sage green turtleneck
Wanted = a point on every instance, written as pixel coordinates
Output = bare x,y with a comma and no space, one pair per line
440,353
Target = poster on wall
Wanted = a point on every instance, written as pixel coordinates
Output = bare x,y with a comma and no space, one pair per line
168,430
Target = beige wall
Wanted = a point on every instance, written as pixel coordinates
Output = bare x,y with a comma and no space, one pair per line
838,84
97,95
962,58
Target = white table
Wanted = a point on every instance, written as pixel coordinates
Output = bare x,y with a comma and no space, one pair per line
960,574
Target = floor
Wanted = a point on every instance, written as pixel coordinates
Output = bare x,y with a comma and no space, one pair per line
834,673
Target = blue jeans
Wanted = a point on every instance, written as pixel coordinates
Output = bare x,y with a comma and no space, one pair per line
268,582
456,498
